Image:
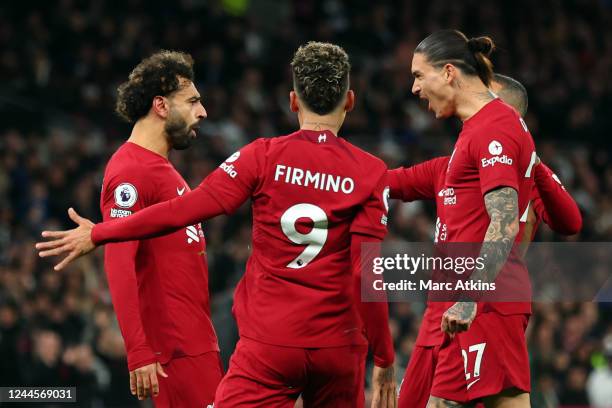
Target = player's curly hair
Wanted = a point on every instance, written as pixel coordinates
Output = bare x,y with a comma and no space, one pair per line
321,75
472,55
156,75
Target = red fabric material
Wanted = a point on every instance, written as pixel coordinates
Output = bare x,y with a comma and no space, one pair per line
302,279
554,204
263,375
418,378
449,375
191,381
504,361
494,149
159,287
375,315
426,181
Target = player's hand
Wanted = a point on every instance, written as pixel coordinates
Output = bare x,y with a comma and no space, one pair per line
384,390
76,242
143,380
458,317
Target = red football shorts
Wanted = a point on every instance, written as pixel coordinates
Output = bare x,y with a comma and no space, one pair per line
191,382
495,354
416,385
267,376
449,375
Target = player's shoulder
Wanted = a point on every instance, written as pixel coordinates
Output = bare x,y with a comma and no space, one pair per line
132,156
368,162
498,120
133,162
501,115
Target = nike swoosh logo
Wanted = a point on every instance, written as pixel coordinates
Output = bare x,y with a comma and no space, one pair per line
472,383
180,191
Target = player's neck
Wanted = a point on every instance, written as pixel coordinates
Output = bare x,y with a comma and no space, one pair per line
333,122
150,134
472,98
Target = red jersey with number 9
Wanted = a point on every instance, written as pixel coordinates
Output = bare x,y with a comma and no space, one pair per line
309,191
494,149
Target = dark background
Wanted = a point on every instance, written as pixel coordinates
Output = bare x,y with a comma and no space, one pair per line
61,62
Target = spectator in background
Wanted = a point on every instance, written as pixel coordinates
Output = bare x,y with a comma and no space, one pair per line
61,63
599,384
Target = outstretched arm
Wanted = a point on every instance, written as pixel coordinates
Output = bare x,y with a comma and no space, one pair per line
153,221
219,193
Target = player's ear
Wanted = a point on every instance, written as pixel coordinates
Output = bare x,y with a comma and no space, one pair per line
450,73
350,101
293,102
160,106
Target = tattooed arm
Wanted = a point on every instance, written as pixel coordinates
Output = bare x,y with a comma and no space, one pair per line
502,206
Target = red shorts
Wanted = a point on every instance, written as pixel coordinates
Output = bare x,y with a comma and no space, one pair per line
416,385
267,376
487,359
449,376
495,353
191,382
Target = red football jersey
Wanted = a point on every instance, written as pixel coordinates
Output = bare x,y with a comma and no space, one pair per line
553,204
159,286
426,181
310,190
494,149
312,193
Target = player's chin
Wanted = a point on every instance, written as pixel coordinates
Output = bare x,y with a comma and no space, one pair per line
184,142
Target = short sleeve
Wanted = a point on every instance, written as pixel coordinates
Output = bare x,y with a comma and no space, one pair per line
416,182
371,219
237,178
497,152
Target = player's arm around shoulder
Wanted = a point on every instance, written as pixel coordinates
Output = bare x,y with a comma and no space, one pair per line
558,209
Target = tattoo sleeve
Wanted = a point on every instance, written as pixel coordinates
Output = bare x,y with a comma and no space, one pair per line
502,206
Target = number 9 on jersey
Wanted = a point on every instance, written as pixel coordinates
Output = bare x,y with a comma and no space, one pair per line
314,240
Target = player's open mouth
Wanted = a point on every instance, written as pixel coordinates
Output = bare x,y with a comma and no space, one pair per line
194,131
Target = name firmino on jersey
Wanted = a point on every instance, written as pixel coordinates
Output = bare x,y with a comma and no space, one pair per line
320,181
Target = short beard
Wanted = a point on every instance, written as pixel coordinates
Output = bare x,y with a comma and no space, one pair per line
178,132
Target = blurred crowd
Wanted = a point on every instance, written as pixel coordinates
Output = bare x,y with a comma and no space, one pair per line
61,62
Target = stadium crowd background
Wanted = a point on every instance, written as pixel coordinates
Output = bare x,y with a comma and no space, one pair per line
60,64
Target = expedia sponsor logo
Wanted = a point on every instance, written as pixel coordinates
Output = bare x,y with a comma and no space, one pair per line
495,160
495,148
229,169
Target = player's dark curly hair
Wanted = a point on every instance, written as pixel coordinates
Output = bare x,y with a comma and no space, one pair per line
453,47
156,75
321,76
